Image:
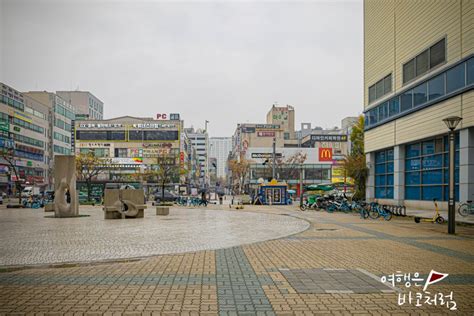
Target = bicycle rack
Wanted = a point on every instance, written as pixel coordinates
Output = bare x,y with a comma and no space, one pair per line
397,210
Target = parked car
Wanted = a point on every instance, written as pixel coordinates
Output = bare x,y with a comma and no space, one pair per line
168,197
1,198
48,196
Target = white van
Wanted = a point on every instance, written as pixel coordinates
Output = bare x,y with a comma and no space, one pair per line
27,191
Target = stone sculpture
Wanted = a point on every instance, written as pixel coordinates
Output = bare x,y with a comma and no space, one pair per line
124,203
65,195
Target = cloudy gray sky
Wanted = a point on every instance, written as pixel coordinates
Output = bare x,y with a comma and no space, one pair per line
223,61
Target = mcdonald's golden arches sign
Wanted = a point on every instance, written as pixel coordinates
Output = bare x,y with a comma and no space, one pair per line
325,154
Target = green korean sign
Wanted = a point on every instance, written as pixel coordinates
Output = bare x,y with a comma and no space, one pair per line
4,126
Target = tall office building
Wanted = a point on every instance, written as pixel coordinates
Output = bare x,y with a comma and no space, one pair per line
219,148
84,103
61,119
24,130
418,70
200,141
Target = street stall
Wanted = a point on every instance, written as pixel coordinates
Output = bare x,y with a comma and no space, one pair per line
272,193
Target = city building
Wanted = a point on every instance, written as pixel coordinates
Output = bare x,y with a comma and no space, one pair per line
200,141
190,178
60,122
131,145
314,154
85,103
219,148
24,130
418,70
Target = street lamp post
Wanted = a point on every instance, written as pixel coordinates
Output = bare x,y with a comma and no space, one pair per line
301,183
273,158
451,123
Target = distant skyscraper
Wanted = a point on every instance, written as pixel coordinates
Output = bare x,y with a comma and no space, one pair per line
219,148
199,140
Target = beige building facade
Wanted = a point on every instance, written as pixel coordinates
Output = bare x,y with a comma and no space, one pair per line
418,70
24,130
85,103
129,145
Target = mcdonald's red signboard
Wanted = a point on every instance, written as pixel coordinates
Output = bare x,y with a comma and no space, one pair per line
325,154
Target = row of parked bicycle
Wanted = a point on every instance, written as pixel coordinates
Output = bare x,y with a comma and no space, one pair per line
332,203
190,201
35,201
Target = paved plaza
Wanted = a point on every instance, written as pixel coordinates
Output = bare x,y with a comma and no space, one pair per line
31,236
263,261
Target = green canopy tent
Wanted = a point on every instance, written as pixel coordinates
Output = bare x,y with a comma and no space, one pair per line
319,187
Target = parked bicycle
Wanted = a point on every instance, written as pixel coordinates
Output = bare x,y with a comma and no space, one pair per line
32,202
191,201
377,210
466,208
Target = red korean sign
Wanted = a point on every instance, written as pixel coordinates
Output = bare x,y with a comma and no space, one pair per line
265,134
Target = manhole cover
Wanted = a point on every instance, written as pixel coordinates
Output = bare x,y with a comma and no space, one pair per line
318,281
330,229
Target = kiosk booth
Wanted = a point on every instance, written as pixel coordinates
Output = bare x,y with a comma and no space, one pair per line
272,193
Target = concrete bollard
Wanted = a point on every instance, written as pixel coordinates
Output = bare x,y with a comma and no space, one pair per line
162,210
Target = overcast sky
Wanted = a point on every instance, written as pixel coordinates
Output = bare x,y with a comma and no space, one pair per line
223,61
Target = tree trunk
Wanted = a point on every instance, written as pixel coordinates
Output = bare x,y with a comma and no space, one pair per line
88,189
18,190
162,191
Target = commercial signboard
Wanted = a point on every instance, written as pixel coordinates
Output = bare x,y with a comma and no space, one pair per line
92,145
148,152
174,116
127,161
4,126
165,116
73,137
6,143
266,155
100,125
23,116
267,126
265,134
329,138
160,145
153,125
325,154
248,129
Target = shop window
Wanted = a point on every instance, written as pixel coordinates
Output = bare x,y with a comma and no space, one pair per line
384,174
455,78
406,101
427,169
436,87
419,95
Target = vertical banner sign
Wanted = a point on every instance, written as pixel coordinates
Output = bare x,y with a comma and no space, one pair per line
325,154
73,137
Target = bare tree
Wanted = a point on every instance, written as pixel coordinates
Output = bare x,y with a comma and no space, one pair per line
8,155
166,171
240,170
88,167
287,169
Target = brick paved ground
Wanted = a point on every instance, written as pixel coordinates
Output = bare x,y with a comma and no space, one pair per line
267,278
